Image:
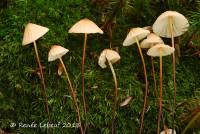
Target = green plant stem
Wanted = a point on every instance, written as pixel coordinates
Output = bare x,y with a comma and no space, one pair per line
154,77
115,94
174,72
43,90
83,83
146,85
160,105
73,95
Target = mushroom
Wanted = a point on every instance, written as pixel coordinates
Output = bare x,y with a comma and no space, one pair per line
152,39
168,131
159,51
134,36
85,26
57,52
31,34
171,24
111,57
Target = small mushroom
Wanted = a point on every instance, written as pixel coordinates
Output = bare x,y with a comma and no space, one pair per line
159,51
134,36
86,27
152,39
31,34
111,57
171,24
168,131
57,52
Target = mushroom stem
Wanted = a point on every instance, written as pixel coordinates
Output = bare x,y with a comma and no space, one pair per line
43,90
154,77
146,85
73,95
160,105
82,77
174,72
115,95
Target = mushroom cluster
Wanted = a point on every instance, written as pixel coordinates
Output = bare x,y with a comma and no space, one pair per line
170,24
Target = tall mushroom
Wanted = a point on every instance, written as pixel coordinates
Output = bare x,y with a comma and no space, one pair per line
159,51
111,57
31,34
57,52
152,40
171,24
134,36
85,26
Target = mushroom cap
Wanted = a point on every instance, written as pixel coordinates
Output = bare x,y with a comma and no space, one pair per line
134,33
85,26
162,49
108,54
56,52
152,39
179,24
169,131
33,32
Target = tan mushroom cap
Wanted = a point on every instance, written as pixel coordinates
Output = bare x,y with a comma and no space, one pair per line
108,54
85,26
33,32
56,52
152,39
162,26
134,33
160,49
169,131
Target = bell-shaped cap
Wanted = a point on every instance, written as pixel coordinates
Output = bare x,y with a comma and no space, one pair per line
135,33
152,39
108,54
169,131
162,25
85,26
56,52
160,49
33,32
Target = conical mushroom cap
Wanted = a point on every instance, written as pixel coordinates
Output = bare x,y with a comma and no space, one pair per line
56,52
169,131
162,25
110,55
33,32
134,33
152,39
85,26
160,49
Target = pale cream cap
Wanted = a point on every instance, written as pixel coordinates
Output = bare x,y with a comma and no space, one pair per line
33,32
85,26
56,52
160,49
134,33
152,39
108,54
162,26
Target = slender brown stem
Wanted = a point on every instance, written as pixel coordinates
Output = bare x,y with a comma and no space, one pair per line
73,95
154,77
43,90
83,83
146,85
174,70
160,106
115,94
